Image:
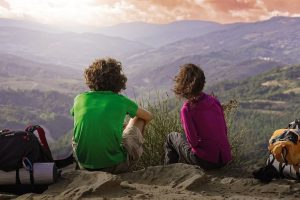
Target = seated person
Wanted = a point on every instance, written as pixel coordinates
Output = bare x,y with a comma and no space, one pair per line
98,120
204,142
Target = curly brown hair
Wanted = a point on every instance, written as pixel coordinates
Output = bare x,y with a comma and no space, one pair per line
105,75
189,82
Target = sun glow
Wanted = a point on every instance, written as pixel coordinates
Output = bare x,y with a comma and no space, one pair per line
110,12
65,12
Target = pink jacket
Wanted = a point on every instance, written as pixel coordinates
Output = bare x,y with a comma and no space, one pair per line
205,129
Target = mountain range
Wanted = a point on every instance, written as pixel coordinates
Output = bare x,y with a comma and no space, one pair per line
224,51
23,74
239,51
267,102
50,109
156,35
75,50
41,67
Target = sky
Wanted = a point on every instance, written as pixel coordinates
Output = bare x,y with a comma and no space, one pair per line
111,12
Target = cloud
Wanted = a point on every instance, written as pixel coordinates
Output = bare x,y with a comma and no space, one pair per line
109,12
154,11
4,4
291,6
229,11
223,11
229,5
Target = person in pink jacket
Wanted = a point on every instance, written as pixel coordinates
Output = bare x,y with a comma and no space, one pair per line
204,142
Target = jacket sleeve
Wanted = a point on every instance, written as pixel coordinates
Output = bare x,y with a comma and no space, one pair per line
189,128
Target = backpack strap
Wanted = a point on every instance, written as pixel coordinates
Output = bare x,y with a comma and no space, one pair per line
3,131
18,181
268,172
287,135
297,122
41,133
43,141
294,125
284,153
61,163
29,167
281,166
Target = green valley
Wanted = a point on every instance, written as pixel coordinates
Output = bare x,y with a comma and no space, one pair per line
267,102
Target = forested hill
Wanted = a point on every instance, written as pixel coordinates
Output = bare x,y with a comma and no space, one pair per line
20,108
25,74
267,102
277,90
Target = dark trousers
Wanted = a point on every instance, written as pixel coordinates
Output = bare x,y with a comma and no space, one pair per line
178,150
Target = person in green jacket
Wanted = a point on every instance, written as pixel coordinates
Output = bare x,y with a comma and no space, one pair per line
99,141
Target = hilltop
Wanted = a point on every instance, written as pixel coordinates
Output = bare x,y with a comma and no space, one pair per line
267,102
176,181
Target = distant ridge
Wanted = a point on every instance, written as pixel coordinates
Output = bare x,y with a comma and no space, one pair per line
161,34
20,73
238,51
71,49
225,51
5,22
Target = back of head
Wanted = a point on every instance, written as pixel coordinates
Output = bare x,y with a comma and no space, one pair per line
189,82
105,75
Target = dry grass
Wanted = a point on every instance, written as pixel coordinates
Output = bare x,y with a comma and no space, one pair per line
167,119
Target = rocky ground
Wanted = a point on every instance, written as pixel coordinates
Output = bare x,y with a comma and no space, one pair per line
177,181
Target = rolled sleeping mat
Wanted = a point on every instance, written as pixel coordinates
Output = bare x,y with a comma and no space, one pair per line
43,174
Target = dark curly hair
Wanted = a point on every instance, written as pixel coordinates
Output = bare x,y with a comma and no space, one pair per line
189,82
105,75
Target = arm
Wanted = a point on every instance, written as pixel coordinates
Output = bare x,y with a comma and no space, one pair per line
141,118
189,128
144,114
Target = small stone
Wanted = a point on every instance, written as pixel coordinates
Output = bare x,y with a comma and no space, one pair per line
226,181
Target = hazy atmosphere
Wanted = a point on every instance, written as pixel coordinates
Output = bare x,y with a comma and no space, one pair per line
249,51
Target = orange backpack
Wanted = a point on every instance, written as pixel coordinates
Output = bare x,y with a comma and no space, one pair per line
285,146
284,158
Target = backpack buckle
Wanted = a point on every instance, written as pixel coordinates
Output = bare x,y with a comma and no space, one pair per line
32,128
27,164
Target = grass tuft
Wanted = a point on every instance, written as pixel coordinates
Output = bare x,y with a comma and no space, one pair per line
166,113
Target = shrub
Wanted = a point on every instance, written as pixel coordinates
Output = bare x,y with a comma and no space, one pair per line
166,113
166,119
236,137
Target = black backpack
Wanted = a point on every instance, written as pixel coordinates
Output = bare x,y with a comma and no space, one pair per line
16,146
20,149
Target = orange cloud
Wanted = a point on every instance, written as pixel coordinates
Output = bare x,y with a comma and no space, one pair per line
227,5
171,4
156,11
291,6
251,10
109,12
229,11
223,11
